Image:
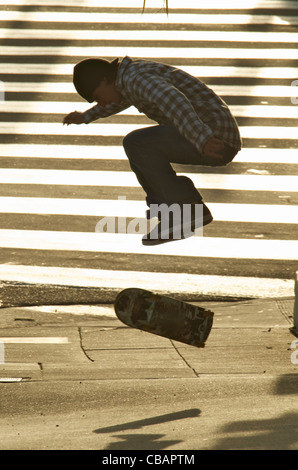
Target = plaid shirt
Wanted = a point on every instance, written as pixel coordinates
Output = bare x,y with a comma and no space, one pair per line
168,95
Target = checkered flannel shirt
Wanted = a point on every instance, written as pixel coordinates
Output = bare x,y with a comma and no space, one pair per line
169,95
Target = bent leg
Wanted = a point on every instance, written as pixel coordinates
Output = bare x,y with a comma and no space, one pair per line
150,152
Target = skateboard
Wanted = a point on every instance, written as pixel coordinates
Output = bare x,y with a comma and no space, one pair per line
164,316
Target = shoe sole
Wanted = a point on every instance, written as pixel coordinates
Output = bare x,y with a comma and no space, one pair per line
207,219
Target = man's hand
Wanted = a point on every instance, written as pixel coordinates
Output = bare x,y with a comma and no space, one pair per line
212,147
73,118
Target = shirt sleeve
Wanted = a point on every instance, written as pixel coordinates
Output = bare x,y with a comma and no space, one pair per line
176,108
97,112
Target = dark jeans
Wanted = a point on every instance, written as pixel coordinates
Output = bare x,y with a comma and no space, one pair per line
152,150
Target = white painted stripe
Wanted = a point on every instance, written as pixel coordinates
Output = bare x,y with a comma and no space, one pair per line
42,107
153,52
33,340
230,90
2,353
263,213
250,155
64,151
41,87
264,111
216,4
102,128
64,107
162,35
105,310
87,207
256,90
270,132
198,71
11,379
266,155
164,282
97,128
235,248
259,72
128,179
56,107
147,18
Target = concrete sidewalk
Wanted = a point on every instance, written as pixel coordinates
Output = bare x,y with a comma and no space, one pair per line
140,391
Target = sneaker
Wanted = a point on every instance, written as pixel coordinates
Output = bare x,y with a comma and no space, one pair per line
177,222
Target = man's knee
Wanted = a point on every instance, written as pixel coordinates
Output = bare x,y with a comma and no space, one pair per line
131,140
127,142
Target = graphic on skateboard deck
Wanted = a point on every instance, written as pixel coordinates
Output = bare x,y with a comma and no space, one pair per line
164,316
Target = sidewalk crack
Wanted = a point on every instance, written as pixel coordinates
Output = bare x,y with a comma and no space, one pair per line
183,359
82,347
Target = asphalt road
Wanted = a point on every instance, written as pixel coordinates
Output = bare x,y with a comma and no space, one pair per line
77,378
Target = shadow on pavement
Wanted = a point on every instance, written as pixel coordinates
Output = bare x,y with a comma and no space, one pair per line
145,441
191,413
279,433
141,442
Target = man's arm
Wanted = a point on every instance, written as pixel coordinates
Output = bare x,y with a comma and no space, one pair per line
73,118
93,114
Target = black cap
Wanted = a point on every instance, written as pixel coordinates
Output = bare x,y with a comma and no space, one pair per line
88,74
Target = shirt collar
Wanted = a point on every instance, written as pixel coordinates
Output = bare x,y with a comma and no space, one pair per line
119,79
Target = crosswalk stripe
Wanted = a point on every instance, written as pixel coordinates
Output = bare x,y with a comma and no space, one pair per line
130,243
288,112
148,18
196,70
130,35
238,286
249,155
107,129
67,151
128,179
214,4
264,213
222,90
252,69
93,129
62,107
148,52
34,340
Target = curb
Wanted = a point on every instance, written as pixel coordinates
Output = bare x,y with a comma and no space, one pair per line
19,294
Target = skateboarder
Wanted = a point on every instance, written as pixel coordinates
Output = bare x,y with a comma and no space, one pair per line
194,126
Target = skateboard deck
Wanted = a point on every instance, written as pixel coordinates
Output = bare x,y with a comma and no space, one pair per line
164,316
